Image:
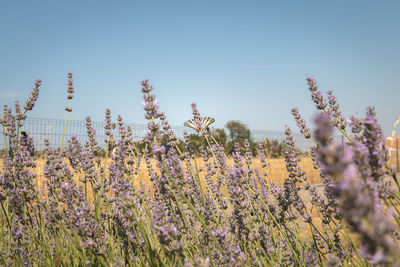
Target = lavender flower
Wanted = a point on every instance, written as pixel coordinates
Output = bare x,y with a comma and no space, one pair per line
357,202
248,155
150,104
166,232
28,143
324,131
70,91
310,258
337,117
91,132
19,115
261,155
292,163
30,103
230,255
374,140
316,96
334,161
70,86
108,127
237,186
301,123
17,187
356,124
197,122
357,206
8,122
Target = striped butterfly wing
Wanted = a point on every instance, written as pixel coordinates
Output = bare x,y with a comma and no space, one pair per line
190,124
205,122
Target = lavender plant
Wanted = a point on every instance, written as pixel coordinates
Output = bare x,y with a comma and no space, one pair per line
93,209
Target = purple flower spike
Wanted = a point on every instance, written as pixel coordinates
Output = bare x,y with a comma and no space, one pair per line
324,131
301,123
316,96
70,86
198,125
70,91
30,103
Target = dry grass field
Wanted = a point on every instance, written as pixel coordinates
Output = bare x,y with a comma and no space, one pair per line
276,170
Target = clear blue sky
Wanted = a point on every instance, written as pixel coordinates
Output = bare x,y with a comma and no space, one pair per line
240,60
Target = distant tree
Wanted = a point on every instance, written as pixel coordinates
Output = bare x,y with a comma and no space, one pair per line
220,136
237,133
237,130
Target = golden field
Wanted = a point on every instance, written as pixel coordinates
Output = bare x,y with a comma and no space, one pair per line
276,170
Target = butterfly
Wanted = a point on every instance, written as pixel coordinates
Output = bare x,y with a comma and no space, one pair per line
204,123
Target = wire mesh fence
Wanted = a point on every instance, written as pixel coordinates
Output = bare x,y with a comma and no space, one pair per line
52,129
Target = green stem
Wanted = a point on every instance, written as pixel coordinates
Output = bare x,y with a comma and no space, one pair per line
316,246
396,180
65,127
345,134
397,210
5,213
18,125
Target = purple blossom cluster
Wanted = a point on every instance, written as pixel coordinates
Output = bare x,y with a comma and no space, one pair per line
93,207
70,91
301,123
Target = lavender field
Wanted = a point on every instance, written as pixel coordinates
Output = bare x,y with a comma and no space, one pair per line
198,211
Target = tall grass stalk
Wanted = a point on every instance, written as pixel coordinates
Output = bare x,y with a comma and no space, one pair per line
65,128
